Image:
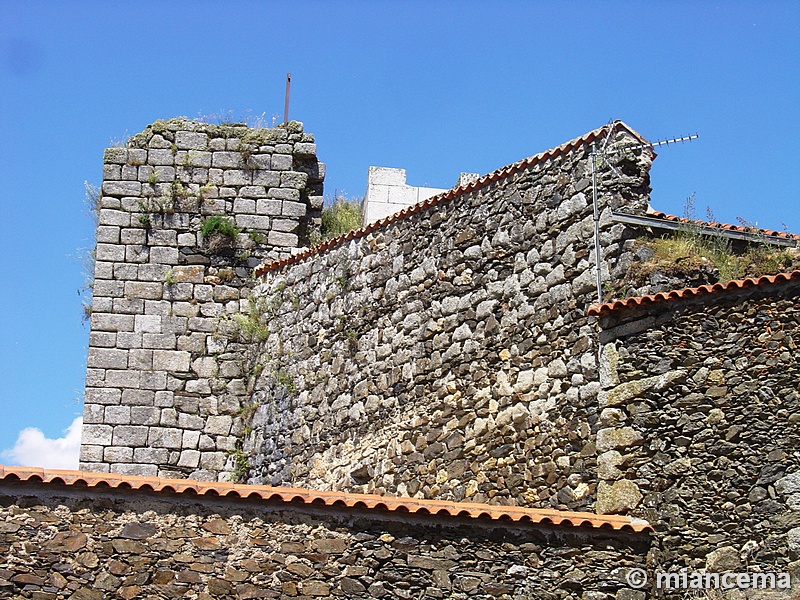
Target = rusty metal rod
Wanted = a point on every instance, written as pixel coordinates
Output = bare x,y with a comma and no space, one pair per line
286,104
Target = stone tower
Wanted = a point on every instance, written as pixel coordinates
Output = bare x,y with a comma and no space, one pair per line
187,210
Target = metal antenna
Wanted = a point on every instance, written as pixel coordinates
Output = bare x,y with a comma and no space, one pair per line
602,154
685,138
682,139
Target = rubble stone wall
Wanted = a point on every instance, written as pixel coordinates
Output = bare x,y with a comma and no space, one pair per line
448,354
160,397
64,544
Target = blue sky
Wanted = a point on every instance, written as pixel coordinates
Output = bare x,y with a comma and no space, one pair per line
433,87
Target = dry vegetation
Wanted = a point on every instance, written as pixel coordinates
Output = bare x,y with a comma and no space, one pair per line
341,216
685,253
695,257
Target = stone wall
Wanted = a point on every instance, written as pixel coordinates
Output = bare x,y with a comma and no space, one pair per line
698,429
449,353
57,542
159,397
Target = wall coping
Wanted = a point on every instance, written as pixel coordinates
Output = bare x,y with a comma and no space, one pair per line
689,293
437,509
476,184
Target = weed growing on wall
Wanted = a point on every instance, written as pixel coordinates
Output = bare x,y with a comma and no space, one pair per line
259,346
251,327
205,191
87,255
218,232
119,142
241,466
164,205
247,150
218,224
175,197
252,330
286,380
245,117
257,237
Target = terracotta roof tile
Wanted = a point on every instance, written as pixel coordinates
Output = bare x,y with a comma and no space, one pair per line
726,226
476,184
441,508
703,290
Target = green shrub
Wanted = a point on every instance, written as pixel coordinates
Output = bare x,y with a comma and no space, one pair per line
342,215
220,225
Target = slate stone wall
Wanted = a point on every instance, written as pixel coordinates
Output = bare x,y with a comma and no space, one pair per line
69,544
699,427
158,399
449,354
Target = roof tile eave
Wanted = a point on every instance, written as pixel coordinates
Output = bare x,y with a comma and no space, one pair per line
596,310
118,482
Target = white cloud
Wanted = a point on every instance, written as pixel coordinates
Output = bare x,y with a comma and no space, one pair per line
33,449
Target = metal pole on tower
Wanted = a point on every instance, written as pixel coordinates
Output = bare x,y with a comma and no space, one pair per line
596,218
286,104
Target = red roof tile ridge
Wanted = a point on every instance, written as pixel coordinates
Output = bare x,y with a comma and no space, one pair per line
685,293
726,226
397,504
476,184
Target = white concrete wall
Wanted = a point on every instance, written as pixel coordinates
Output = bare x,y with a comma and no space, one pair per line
387,193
